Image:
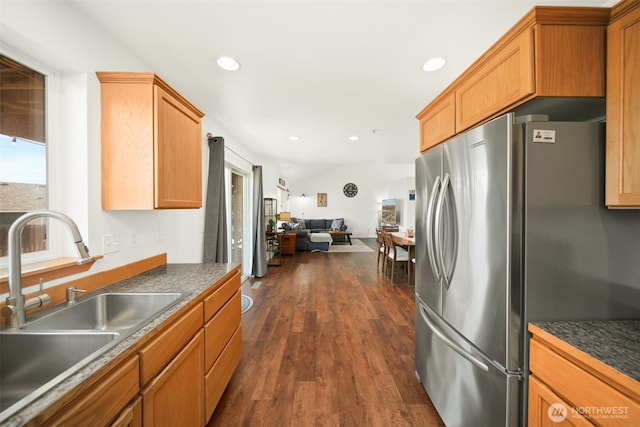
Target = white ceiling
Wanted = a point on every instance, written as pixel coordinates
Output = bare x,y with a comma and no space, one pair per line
319,70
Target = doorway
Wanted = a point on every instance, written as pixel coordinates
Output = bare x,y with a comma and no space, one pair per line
237,217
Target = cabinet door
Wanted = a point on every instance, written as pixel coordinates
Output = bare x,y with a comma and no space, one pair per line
564,53
547,409
437,122
502,81
178,148
623,111
176,396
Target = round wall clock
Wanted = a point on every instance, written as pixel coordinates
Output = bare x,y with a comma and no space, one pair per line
350,190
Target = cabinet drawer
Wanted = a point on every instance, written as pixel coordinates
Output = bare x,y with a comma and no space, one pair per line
580,388
102,404
155,356
219,329
216,300
504,79
219,376
437,122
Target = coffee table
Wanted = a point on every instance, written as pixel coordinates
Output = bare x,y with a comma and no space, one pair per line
344,236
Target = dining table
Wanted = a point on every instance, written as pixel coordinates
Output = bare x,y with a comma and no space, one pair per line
409,243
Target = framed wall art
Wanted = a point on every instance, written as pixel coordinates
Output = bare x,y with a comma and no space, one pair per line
322,200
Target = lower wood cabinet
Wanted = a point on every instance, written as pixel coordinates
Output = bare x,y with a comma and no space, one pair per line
175,397
219,375
223,340
567,387
220,328
182,371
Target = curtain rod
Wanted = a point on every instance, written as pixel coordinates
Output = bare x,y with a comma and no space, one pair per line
210,135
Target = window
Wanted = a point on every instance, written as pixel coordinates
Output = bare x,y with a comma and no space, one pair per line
23,152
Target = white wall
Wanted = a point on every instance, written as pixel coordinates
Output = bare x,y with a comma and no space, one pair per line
375,182
57,35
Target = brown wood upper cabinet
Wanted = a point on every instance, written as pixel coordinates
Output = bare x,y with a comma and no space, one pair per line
550,52
623,106
151,144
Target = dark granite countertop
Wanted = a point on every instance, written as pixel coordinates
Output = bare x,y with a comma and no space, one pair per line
613,342
193,279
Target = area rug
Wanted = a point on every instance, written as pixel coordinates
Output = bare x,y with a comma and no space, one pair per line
356,246
246,302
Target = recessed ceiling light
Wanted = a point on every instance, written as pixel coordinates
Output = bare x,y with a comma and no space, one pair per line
354,138
434,64
228,63
294,138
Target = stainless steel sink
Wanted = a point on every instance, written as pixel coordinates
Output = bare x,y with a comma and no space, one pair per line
107,312
45,351
29,361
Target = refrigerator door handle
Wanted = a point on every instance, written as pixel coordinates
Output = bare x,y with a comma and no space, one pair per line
438,230
455,347
431,236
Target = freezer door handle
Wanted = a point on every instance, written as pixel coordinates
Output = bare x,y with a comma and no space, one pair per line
455,347
431,236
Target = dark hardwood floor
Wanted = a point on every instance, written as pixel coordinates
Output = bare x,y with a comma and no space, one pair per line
328,342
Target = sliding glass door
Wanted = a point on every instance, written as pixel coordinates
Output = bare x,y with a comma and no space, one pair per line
237,217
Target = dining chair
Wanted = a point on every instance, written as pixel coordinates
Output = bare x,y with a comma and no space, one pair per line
382,250
395,254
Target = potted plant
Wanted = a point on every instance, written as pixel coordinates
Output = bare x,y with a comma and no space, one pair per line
272,223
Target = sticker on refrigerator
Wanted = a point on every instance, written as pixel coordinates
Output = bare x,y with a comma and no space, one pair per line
544,135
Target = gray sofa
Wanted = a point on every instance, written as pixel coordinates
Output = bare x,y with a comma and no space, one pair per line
303,242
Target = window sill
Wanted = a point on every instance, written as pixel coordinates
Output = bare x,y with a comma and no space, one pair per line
47,270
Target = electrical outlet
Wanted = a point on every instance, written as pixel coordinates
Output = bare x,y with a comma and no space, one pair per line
133,240
161,236
110,244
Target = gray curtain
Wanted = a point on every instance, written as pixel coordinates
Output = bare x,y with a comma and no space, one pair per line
260,245
215,216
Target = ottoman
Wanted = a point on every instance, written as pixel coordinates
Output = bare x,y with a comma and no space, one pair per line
320,242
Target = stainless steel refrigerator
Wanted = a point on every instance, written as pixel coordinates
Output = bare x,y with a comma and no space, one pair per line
510,228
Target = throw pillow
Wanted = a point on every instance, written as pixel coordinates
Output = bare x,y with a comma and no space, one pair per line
337,223
300,224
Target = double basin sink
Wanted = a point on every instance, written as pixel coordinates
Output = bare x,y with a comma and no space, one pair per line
44,352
